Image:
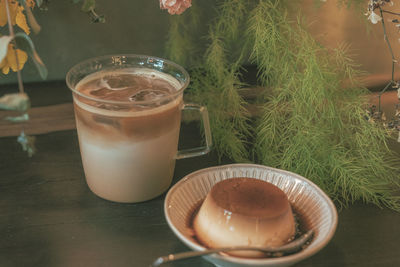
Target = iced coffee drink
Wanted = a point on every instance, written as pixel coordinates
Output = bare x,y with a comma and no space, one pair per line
128,115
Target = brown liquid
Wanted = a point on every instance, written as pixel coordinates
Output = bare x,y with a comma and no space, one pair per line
128,149
137,128
130,120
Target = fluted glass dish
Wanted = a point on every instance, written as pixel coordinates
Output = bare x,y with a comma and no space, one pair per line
314,207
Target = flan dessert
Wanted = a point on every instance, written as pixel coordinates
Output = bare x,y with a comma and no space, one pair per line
244,212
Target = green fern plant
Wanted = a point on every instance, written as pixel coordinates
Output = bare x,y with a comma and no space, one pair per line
310,123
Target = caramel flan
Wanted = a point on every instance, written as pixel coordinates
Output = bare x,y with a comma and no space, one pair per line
245,212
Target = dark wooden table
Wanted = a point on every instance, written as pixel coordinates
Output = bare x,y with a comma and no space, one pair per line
49,217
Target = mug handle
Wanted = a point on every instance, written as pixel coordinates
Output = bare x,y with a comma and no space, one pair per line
198,151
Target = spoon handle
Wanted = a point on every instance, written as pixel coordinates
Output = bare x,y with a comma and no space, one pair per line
289,248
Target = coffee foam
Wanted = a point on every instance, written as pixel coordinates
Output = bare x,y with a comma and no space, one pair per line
106,93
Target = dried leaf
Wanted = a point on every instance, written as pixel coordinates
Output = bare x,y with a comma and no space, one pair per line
14,9
96,18
12,56
4,41
88,5
32,21
20,20
22,118
27,142
25,43
39,2
28,5
17,15
16,101
10,61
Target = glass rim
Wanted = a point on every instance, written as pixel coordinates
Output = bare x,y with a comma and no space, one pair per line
119,102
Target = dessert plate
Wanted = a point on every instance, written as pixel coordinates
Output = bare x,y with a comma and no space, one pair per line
314,207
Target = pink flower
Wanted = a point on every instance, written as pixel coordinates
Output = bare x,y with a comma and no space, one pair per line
175,6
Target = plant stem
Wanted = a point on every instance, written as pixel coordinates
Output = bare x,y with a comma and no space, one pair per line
11,30
390,12
392,55
19,76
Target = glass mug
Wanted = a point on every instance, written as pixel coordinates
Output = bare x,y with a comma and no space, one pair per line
128,116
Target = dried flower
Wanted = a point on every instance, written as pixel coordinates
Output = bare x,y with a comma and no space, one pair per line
175,6
10,60
16,14
374,4
374,18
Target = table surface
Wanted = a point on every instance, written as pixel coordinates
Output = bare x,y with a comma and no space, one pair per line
49,217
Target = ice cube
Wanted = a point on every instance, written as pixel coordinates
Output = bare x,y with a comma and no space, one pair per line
149,95
117,82
109,106
102,92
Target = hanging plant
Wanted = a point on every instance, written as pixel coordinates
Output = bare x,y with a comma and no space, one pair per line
13,55
14,50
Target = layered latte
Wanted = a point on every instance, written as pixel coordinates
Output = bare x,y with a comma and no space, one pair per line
128,125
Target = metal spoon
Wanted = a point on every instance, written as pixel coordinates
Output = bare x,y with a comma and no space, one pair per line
289,248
